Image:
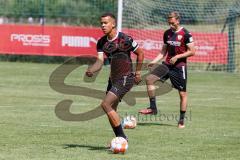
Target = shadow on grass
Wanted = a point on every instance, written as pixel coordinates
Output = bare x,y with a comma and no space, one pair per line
90,147
155,124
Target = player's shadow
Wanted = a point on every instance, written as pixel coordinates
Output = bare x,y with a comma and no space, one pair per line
155,124
90,147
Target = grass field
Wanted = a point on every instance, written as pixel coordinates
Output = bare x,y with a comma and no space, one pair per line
31,130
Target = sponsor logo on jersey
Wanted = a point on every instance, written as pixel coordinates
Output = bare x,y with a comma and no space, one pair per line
77,41
174,43
31,39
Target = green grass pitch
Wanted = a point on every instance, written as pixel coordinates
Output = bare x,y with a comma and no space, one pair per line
30,129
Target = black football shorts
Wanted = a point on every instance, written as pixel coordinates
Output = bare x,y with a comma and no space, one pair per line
121,86
177,76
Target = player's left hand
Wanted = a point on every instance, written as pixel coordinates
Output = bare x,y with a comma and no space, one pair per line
173,60
138,78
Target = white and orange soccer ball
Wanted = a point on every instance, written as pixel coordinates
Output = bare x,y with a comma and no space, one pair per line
119,145
129,122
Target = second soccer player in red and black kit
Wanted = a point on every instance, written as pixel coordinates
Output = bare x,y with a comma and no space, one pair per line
178,46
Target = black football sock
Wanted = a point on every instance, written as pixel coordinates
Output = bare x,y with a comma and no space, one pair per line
182,115
119,131
153,103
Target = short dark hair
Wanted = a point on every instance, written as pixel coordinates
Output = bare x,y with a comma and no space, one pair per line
108,14
174,14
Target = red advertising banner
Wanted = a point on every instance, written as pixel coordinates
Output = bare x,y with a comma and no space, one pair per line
211,48
48,40
75,41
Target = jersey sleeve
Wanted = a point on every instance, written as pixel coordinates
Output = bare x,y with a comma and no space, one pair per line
165,37
100,46
134,44
188,38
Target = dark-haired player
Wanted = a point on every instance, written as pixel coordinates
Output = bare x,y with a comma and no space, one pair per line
118,47
178,46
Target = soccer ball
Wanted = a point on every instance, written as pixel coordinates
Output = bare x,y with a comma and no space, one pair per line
129,122
119,145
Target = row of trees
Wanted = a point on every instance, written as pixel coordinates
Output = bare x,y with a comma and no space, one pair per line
73,12
87,12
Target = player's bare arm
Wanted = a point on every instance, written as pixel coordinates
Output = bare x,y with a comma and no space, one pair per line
190,52
160,56
140,57
96,66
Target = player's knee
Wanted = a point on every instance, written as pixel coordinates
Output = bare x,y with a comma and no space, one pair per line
149,80
183,95
105,107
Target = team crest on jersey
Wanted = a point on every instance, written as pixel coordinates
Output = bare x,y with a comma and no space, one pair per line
179,37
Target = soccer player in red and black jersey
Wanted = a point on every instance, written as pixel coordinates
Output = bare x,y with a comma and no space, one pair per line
118,47
178,46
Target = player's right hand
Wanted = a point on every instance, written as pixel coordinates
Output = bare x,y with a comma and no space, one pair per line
89,73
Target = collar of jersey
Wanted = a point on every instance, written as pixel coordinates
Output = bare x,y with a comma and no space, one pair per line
178,30
110,40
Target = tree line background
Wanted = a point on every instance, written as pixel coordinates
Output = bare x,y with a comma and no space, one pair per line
87,12
70,12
